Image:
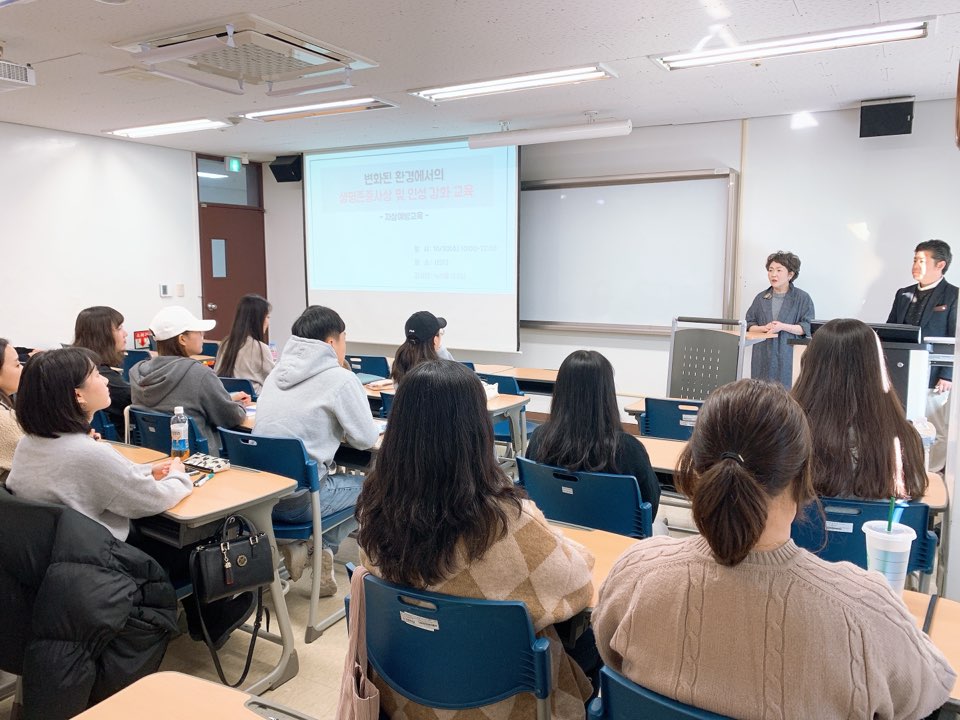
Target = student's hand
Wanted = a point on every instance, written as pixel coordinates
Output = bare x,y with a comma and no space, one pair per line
241,397
942,386
94,434
161,470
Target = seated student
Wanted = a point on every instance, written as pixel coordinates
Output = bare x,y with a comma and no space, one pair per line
58,461
438,513
584,430
742,622
10,430
863,445
173,379
310,395
100,330
424,333
244,354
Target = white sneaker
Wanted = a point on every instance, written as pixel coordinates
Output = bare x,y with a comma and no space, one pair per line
327,583
295,558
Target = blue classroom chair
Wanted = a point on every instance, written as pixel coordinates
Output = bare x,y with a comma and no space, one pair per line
211,348
386,402
469,365
288,457
669,418
595,500
621,699
131,358
154,431
232,385
451,652
836,535
369,367
102,424
507,385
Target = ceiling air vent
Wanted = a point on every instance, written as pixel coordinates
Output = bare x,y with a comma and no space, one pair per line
245,48
14,76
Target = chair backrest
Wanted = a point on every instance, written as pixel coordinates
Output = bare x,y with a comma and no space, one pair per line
211,348
232,385
154,430
837,535
669,418
451,652
131,358
703,359
506,385
595,500
280,455
468,364
386,402
103,425
621,699
373,365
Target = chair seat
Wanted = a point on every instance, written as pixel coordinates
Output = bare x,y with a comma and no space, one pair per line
303,531
501,430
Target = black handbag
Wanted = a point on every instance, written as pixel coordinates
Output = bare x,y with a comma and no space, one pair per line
237,559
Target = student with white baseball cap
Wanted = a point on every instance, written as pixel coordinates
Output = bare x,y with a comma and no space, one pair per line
173,379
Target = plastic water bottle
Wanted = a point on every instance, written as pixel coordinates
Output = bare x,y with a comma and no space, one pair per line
928,434
179,434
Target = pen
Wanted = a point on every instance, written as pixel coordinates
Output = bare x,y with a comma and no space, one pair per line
201,481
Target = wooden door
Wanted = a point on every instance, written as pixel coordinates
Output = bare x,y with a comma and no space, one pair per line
232,261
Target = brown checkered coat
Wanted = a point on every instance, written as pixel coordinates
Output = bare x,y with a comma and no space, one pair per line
548,572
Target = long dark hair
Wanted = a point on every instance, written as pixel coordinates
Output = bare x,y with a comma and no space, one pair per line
436,494
583,431
751,443
94,331
4,398
409,355
252,311
856,417
47,403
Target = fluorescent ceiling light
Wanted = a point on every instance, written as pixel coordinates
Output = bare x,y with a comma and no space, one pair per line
169,128
516,82
589,131
318,109
802,120
794,45
211,176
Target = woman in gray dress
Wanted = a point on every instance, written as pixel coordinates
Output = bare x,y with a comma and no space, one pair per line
783,309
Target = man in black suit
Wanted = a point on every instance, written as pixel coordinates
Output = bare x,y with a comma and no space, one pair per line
931,304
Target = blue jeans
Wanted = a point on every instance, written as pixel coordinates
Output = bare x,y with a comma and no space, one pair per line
336,493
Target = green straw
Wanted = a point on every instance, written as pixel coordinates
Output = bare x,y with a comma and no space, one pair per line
893,502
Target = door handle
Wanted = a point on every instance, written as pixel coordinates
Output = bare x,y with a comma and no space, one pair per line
211,306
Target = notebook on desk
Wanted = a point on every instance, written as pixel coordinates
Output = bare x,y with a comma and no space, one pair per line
366,378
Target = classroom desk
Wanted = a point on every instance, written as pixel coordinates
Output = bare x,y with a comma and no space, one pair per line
944,629
254,493
492,369
166,695
535,380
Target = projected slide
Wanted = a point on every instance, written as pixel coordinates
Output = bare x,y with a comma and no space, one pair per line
428,218
390,231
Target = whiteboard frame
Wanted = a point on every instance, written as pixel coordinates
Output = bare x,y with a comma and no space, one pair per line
731,243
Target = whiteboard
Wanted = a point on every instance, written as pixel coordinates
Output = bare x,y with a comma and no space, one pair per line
634,254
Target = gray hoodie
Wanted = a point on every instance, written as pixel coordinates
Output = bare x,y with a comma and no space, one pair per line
162,383
310,396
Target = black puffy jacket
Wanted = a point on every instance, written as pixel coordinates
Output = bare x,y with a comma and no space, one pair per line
83,613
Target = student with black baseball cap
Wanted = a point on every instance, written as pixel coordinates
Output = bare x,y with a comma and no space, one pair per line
424,333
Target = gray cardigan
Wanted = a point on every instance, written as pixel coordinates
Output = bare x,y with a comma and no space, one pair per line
773,358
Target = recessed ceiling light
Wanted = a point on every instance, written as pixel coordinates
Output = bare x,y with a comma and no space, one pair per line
802,120
169,128
335,107
832,40
516,82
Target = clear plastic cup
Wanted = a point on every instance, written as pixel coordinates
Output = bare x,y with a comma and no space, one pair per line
889,552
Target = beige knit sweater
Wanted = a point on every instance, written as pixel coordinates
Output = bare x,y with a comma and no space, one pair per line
10,434
254,362
548,572
781,635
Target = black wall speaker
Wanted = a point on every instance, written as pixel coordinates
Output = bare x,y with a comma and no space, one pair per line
288,168
886,117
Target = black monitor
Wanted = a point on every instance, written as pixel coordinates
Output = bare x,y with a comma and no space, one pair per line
887,332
